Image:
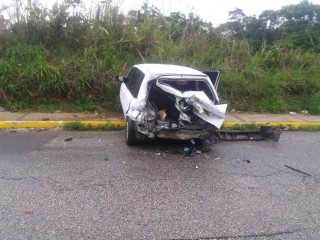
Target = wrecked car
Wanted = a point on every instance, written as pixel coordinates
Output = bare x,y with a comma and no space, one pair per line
170,101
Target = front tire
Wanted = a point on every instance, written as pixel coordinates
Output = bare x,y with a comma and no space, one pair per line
131,137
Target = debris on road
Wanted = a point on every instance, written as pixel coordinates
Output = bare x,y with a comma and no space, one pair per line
29,212
297,170
190,152
263,133
68,139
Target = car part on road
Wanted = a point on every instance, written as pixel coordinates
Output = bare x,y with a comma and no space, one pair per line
264,133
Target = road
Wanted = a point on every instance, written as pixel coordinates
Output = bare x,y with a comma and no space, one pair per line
96,187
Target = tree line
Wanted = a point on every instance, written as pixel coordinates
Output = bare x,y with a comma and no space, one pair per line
68,54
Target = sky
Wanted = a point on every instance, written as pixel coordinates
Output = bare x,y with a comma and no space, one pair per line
213,11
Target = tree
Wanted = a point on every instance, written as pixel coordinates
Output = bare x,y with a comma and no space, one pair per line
301,26
297,26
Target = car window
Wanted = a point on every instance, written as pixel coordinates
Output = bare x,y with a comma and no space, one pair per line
214,76
134,80
187,85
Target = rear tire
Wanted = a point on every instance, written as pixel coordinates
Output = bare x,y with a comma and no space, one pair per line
131,137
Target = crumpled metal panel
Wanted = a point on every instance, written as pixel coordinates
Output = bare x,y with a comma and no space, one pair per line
203,107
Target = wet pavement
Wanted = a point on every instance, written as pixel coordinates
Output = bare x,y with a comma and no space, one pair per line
96,187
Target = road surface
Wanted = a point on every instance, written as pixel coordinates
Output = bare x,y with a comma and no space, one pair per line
96,187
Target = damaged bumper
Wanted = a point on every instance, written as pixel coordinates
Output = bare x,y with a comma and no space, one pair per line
184,134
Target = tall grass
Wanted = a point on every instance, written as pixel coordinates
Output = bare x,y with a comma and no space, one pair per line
63,59
275,81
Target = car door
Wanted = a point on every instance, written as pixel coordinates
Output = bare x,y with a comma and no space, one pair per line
214,76
125,96
130,88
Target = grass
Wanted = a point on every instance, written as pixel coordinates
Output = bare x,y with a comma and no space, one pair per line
312,127
79,126
72,68
308,128
240,127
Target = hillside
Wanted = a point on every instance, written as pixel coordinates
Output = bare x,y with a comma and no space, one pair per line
66,58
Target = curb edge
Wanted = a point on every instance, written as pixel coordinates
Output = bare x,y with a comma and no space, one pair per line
55,124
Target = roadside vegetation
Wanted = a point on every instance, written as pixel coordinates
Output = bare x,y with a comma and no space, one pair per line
311,127
83,126
80,126
66,57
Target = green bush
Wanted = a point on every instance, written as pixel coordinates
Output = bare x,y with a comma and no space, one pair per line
68,60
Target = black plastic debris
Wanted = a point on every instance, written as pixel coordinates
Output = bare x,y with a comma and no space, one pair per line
297,170
263,133
206,145
191,152
68,139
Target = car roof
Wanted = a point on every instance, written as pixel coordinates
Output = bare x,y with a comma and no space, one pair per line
168,69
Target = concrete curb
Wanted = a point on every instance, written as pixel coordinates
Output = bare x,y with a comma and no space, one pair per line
55,124
290,124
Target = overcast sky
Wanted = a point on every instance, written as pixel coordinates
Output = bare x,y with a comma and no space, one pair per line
214,11
209,10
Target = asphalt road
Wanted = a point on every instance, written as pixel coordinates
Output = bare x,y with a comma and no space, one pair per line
96,187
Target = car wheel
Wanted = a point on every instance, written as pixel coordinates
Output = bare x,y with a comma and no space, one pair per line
131,137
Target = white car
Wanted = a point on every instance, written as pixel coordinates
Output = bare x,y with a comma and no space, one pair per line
170,101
